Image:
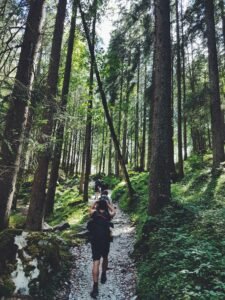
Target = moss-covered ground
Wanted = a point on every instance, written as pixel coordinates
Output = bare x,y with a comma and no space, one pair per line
180,253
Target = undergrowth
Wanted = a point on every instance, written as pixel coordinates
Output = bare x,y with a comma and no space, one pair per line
180,253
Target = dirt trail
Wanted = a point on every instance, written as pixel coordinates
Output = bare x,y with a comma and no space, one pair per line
121,278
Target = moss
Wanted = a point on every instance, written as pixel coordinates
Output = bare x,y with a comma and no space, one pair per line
7,249
53,258
17,220
7,287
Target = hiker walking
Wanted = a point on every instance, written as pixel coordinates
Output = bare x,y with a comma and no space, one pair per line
98,187
105,196
101,214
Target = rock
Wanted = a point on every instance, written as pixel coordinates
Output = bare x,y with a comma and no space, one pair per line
46,227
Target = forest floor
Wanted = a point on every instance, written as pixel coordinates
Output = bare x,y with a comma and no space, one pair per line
121,276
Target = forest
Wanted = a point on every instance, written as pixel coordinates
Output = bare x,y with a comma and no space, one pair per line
142,113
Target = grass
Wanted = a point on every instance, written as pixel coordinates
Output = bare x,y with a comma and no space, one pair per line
180,253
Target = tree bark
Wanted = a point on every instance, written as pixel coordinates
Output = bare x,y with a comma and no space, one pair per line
216,114
89,113
159,183
136,135
184,86
17,114
172,168
126,109
60,131
106,110
117,169
179,99
38,194
143,147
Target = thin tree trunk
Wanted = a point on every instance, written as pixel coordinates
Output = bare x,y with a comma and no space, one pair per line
38,194
136,139
216,120
60,131
17,114
172,169
184,86
143,147
179,99
102,151
151,109
105,106
78,155
125,117
117,169
110,157
89,113
159,183
81,186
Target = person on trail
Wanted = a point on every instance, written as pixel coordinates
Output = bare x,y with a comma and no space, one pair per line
98,186
105,196
101,214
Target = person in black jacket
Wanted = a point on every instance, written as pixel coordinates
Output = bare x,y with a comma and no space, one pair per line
101,213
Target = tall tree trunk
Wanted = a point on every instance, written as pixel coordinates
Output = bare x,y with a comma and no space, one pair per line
89,113
184,85
159,169
110,157
117,169
216,115
38,194
102,151
143,147
78,155
179,98
106,110
60,130
126,109
83,157
17,114
136,139
151,108
172,168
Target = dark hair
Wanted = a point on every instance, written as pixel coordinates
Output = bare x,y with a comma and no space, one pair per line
102,204
105,192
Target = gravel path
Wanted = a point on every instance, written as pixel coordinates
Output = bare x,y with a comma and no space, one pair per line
121,276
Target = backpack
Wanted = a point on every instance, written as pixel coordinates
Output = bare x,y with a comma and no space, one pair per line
99,226
105,198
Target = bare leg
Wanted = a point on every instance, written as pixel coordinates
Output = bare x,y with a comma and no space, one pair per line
95,270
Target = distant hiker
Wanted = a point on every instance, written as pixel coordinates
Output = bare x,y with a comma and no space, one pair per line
101,214
105,196
104,187
98,186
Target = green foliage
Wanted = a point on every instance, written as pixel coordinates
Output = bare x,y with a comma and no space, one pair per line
69,207
110,181
17,220
180,253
